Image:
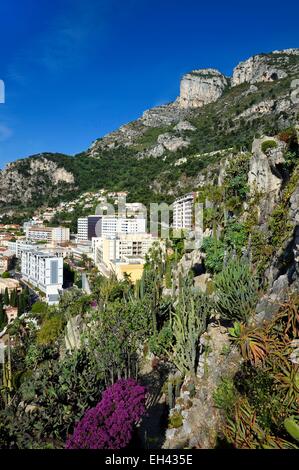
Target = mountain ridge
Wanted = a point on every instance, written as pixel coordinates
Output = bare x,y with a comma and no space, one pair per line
213,112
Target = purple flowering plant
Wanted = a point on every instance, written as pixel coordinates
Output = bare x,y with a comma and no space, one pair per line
109,425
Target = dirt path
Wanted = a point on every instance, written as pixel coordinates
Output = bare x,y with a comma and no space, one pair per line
151,431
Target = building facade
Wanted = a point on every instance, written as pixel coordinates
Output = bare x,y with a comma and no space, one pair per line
44,271
183,208
88,227
109,226
54,235
112,226
122,253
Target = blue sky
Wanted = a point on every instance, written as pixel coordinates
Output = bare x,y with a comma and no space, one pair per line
75,70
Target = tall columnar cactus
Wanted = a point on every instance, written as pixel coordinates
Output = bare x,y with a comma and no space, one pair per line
188,322
170,392
236,291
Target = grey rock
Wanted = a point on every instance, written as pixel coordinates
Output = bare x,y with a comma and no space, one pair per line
201,87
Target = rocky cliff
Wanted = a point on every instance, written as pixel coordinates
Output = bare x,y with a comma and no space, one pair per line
201,87
266,67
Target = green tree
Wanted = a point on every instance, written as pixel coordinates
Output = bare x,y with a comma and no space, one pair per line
21,303
6,297
3,317
13,298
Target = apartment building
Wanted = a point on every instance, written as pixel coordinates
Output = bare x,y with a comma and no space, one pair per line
112,226
44,271
109,226
53,235
88,227
122,253
114,248
183,212
6,261
17,246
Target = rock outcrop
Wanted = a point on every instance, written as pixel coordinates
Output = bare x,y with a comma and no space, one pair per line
201,87
201,419
25,179
264,173
264,67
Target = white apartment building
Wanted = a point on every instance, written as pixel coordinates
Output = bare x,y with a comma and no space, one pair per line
108,226
87,227
28,224
112,226
60,234
44,271
17,246
183,212
48,234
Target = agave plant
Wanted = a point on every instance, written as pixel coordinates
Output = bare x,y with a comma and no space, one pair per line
287,379
291,425
244,432
252,342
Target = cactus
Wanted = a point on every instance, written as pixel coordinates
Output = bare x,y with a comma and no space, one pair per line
188,323
177,384
236,291
292,427
170,392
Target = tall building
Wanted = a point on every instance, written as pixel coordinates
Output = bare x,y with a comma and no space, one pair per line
183,212
17,246
107,249
48,234
88,227
44,271
112,226
109,226
124,253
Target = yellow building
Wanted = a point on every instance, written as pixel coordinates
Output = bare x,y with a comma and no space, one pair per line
130,266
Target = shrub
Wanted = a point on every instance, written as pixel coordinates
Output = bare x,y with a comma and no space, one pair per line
268,144
39,307
160,342
252,342
225,396
214,250
236,291
109,425
50,330
235,235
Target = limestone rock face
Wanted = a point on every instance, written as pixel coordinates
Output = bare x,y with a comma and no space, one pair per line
73,333
264,174
201,87
160,116
263,67
184,126
172,142
202,420
29,178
